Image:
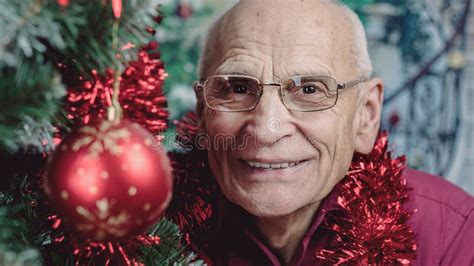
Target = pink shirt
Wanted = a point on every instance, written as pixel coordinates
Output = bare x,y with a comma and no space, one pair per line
443,226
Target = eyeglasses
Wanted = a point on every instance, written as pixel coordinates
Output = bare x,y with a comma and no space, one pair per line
238,93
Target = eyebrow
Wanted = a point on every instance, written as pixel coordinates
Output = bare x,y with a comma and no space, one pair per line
309,71
296,71
295,68
242,73
239,71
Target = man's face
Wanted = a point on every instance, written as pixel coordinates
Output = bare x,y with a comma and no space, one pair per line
272,43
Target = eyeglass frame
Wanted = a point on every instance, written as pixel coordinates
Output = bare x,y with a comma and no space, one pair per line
200,86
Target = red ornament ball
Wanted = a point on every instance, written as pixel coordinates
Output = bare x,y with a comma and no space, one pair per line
109,180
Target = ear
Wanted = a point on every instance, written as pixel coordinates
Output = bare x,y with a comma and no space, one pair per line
200,105
197,91
369,110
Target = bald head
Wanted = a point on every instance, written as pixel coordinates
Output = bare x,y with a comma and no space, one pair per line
288,23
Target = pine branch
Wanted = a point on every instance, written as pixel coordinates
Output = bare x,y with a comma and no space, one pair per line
30,100
23,27
94,31
36,36
170,251
18,237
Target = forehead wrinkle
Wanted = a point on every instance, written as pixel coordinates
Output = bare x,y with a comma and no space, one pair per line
261,38
240,67
245,43
242,56
245,55
304,38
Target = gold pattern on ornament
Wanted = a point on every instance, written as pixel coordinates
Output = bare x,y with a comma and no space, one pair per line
137,147
101,139
93,189
104,175
64,195
80,171
147,207
132,191
103,207
83,212
101,222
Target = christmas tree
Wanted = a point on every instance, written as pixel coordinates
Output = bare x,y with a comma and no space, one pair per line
76,79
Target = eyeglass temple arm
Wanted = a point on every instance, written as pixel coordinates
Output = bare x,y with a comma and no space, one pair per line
349,84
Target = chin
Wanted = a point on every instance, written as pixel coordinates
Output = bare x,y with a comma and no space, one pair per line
264,212
268,207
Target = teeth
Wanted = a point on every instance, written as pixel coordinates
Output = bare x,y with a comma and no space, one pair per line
272,166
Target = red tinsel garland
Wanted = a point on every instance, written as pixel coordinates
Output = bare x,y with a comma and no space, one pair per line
373,229
86,251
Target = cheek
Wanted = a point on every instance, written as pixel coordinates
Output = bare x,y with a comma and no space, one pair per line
221,130
208,116
221,123
330,133
326,128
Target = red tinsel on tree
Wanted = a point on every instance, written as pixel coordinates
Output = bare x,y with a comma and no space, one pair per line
194,189
141,94
86,251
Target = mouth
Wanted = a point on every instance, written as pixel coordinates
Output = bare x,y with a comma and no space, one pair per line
271,171
279,165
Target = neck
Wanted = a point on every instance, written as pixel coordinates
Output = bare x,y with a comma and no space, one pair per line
284,233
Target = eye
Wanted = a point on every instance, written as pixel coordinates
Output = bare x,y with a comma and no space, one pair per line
308,89
239,89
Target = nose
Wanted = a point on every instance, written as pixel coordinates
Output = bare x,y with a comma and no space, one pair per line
270,121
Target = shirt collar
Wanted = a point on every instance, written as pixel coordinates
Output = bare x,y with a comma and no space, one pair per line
328,204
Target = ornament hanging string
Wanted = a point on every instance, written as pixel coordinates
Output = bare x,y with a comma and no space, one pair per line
114,112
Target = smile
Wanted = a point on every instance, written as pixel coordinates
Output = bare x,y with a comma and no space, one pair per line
273,165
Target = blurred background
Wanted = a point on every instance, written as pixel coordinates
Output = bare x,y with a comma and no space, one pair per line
423,49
